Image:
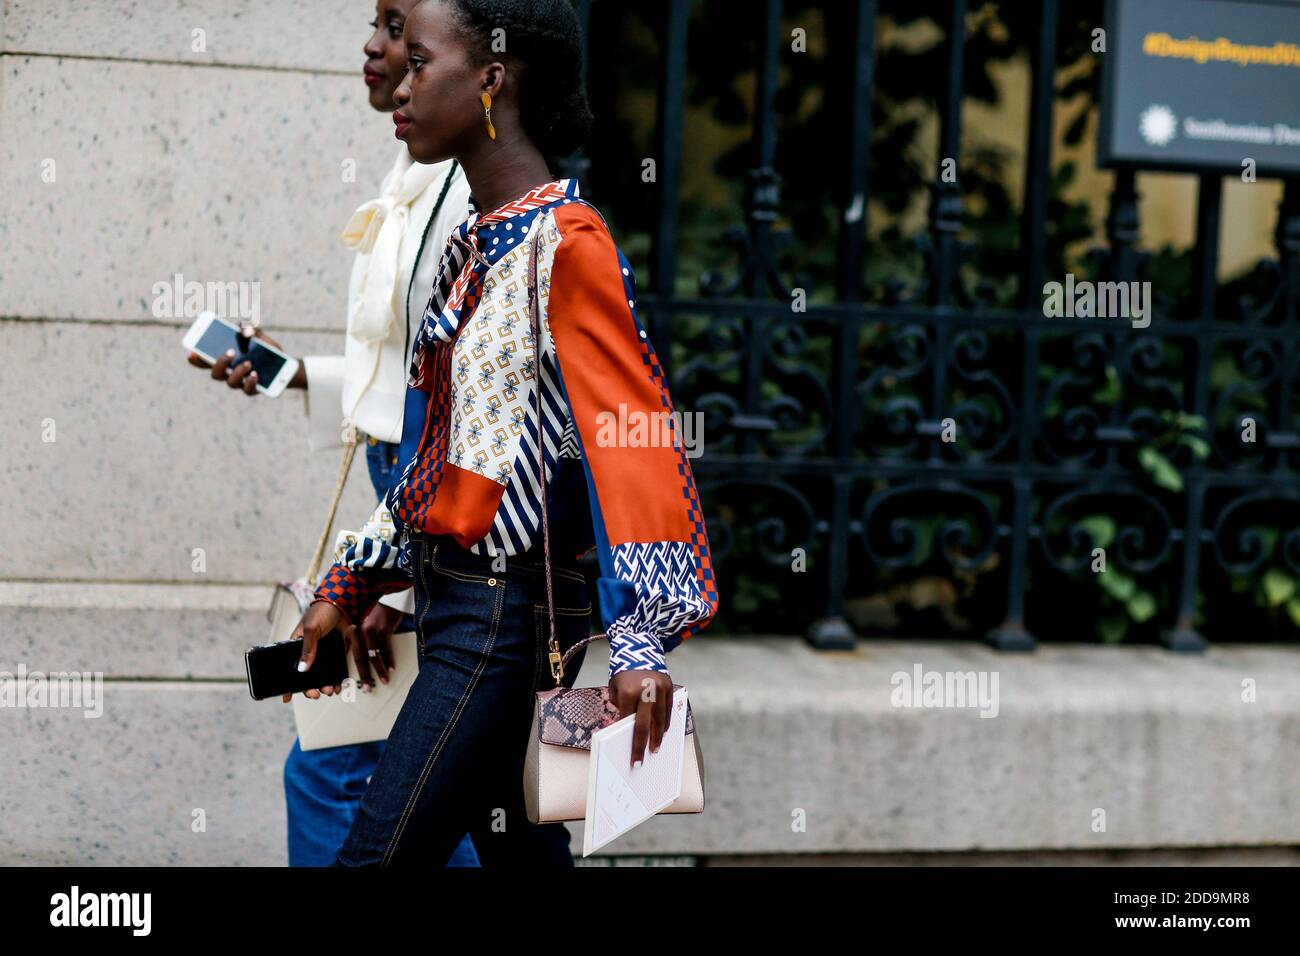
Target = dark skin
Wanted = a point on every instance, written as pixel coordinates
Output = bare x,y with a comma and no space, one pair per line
439,98
384,69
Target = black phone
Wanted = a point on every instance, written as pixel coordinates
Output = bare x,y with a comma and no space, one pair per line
273,668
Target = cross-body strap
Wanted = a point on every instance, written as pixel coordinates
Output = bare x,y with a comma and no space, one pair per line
557,660
349,452
534,325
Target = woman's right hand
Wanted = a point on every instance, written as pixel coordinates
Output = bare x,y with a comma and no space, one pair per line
242,375
321,618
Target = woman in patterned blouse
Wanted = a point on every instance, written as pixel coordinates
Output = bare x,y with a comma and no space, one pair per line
497,86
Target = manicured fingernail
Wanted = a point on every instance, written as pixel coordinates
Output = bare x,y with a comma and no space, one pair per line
302,667
230,353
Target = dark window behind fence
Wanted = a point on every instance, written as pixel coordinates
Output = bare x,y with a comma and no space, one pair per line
827,475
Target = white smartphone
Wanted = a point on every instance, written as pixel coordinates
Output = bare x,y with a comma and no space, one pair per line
211,337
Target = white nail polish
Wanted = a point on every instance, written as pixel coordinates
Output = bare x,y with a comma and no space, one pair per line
302,667
230,353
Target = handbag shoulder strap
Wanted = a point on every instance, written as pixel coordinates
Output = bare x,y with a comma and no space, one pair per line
534,326
556,659
349,452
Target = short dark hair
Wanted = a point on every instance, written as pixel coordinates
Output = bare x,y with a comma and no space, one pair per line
544,38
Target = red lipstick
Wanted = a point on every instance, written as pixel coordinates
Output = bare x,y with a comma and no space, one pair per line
373,76
402,122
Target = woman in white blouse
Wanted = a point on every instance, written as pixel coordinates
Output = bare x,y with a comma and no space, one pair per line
398,238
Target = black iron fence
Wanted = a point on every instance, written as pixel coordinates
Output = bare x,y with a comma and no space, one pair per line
933,429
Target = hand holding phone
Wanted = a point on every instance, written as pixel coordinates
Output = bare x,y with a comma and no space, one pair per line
276,668
211,338
319,622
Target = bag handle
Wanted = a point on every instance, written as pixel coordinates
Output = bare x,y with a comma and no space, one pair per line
577,647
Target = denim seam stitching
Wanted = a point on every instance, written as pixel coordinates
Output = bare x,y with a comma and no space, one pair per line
451,727
433,563
571,611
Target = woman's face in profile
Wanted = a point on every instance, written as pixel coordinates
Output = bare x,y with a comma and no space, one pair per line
438,100
386,52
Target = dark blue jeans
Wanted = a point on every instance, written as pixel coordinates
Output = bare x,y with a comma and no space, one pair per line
322,788
455,757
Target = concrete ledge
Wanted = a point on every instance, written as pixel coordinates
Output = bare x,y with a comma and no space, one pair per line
122,789
153,631
1163,744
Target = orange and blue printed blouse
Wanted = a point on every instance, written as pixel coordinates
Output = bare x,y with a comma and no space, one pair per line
468,454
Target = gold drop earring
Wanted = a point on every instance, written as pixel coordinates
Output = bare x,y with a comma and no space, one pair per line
486,98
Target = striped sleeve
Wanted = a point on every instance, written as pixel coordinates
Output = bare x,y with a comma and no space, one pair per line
367,565
656,584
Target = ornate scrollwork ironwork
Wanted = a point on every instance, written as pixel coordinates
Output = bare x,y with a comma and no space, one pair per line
961,523
1143,530
986,418
1240,536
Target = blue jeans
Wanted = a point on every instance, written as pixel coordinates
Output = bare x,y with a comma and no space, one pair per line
322,788
454,760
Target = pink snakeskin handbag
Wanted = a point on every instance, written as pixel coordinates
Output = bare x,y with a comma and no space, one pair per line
559,744
559,748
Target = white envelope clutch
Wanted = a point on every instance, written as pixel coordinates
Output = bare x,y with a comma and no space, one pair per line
355,717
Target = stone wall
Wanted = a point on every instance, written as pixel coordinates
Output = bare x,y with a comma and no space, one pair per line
128,156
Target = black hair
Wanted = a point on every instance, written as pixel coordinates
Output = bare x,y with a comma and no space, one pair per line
544,38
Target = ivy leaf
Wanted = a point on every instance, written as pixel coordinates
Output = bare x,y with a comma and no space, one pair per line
1101,528
1118,585
1109,392
1267,536
925,532
1161,470
1293,610
1199,446
1279,587
1141,606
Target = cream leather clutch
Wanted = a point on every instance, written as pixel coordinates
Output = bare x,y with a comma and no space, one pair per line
354,717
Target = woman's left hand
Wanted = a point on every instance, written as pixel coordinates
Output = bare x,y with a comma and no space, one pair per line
648,694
